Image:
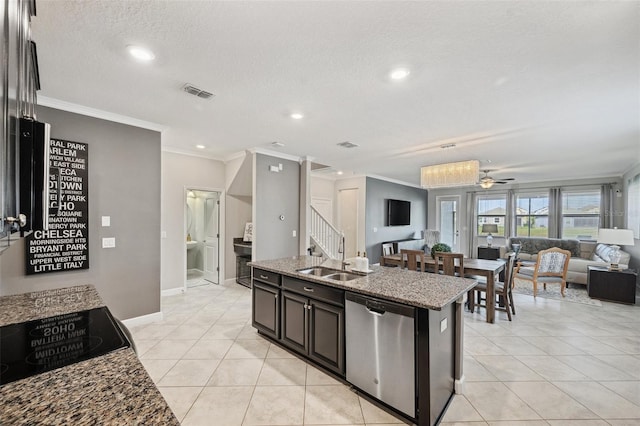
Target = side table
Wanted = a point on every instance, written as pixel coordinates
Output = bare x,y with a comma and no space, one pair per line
488,253
614,286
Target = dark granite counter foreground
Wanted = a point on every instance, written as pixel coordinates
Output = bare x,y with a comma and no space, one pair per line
113,389
419,289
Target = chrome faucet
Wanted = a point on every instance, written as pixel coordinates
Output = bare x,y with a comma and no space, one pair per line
342,249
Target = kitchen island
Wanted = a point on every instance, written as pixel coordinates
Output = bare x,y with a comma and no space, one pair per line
394,334
52,329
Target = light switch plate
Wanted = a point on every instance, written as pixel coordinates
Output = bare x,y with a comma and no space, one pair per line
106,220
294,233
108,242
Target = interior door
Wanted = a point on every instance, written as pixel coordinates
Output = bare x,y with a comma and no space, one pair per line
212,237
348,219
448,221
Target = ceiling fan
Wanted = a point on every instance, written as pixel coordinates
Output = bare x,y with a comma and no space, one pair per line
487,181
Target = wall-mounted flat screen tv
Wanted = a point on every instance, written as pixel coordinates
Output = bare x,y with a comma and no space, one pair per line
398,212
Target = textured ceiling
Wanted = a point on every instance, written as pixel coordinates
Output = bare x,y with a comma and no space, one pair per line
544,90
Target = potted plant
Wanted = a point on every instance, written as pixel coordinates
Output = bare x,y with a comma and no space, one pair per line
440,247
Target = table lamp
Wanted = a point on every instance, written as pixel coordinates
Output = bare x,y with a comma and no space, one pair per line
615,238
488,228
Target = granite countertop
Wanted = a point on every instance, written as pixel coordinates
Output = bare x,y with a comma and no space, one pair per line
413,288
112,389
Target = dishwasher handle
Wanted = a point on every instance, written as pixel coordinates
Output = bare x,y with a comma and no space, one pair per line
376,312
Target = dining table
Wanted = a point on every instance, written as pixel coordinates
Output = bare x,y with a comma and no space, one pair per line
490,269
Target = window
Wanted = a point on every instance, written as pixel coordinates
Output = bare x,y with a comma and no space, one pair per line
532,215
581,214
492,209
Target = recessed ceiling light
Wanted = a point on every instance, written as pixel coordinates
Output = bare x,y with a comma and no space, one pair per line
297,116
339,172
399,74
200,146
141,53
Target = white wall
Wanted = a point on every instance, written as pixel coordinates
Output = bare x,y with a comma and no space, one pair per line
323,187
180,172
635,249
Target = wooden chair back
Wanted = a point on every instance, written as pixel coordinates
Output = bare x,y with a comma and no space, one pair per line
448,261
410,259
552,262
387,249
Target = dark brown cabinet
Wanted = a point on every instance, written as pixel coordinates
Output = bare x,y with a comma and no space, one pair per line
615,286
488,253
312,327
266,303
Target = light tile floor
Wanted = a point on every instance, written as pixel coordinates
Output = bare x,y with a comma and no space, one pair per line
557,363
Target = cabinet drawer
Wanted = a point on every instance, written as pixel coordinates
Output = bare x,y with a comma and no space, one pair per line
266,276
314,290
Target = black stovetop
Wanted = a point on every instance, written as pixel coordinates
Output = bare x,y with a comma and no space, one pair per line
33,347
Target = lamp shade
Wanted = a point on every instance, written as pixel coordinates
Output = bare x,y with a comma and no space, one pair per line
462,173
615,236
489,228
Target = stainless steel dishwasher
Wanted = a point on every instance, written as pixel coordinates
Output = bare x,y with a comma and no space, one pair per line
380,350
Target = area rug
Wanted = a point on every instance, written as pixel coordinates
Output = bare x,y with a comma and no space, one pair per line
575,293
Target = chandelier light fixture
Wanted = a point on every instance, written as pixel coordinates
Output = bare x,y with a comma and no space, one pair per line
463,173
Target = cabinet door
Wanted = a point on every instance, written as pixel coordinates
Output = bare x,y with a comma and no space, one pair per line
294,321
326,335
266,308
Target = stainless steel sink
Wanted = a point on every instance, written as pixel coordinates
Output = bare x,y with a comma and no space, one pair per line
318,271
343,276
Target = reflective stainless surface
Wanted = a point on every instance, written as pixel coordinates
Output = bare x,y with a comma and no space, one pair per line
318,271
342,276
380,344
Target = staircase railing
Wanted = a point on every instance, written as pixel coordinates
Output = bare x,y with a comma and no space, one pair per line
326,236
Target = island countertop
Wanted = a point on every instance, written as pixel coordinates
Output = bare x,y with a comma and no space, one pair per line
413,288
111,389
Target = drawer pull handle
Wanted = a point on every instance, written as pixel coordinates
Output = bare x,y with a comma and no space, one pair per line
264,277
309,289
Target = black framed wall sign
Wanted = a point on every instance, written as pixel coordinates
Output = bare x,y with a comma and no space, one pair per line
64,245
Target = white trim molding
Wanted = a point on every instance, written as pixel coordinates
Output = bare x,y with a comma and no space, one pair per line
172,291
143,320
98,113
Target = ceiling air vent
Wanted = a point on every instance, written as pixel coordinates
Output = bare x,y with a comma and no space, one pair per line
348,144
193,90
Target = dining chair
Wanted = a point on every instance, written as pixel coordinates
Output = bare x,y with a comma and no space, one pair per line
448,261
411,258
550,268
387,249
504,294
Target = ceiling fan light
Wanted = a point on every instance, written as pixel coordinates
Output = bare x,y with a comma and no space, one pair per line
486,184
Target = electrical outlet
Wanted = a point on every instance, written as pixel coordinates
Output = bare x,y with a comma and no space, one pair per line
106,220
108,242
294,233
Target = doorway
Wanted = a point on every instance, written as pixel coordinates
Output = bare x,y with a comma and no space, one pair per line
203,237
348,219
447,220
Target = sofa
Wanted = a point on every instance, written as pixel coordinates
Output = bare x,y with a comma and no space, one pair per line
583,254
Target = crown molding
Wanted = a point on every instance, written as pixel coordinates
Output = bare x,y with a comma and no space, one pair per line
276,154
98,113
399,182
190,153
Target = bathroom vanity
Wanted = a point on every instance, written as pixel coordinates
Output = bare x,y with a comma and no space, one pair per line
393,334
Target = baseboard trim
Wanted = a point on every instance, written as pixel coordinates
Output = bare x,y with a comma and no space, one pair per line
230,281
143,320
172,291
